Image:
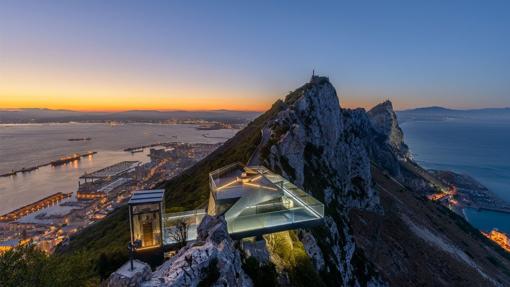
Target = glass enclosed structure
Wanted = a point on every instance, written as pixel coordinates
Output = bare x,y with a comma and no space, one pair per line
145,210
191,218
253,200
256,201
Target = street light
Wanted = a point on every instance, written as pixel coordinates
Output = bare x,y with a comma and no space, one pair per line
131,248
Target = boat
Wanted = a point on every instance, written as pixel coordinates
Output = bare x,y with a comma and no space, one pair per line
66,159
79,139
29,169
71,158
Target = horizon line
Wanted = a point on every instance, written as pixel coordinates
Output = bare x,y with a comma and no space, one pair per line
229,110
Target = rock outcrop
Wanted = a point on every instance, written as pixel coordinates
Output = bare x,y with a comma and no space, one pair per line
313,136
212,260
378,230
384,120
127,277
327,151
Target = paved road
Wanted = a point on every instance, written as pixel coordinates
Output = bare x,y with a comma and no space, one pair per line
255,157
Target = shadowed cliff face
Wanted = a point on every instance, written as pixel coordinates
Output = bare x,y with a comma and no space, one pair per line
384,120
332,153
376,231
326,151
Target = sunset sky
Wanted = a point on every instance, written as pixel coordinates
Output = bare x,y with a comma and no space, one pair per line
199,55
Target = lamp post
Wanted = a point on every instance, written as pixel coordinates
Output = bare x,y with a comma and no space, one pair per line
131,247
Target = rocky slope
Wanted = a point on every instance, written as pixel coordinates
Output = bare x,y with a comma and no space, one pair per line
331,153
326,151
212,260
377,231
384,120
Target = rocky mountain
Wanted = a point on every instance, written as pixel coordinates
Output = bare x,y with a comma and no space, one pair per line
378,229
384,120
351,160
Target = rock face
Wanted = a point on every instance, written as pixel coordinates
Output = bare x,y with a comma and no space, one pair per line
328,151
313,136
312,249
384,120
212,260
125,277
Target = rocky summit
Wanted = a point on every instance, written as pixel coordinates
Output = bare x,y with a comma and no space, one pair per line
378,229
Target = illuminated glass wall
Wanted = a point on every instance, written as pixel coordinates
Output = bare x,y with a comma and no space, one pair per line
146,224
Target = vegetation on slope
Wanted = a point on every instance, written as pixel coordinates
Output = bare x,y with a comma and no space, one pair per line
101,248
290,257
191,189
28,266
392,244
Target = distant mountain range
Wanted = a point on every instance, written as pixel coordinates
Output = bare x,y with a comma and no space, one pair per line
33,115
440,113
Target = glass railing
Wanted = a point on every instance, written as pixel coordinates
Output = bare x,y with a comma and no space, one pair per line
273,219
215,177
296,205
296,193
191,218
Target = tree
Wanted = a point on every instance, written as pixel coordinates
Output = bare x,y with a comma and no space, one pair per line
23,266
179,232
28,266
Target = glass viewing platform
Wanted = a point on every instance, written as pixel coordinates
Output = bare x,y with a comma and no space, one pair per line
253,200
256,201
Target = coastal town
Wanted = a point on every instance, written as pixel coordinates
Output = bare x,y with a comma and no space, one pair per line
52,220
459,191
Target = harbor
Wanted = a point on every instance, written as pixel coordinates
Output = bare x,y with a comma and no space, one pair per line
50,221
161,152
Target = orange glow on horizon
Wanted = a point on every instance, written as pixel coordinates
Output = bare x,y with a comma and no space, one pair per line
119,103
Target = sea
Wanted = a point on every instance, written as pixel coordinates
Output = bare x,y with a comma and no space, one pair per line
479,148
26,145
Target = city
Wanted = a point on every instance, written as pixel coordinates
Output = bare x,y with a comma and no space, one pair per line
53,220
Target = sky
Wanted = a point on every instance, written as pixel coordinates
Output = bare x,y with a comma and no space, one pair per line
200,55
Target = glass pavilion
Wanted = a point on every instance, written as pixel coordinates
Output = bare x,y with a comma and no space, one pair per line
253,200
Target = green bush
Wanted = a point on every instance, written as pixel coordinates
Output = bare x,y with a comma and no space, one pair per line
28,266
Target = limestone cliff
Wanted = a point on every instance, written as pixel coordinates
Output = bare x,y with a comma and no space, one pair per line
384,120
326,151
355,162
378,229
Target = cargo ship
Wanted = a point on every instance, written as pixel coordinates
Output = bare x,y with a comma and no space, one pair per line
71,158
79,139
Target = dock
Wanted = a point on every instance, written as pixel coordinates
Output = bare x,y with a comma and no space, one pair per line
23,170
137,148
57,162
35,206
110,171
